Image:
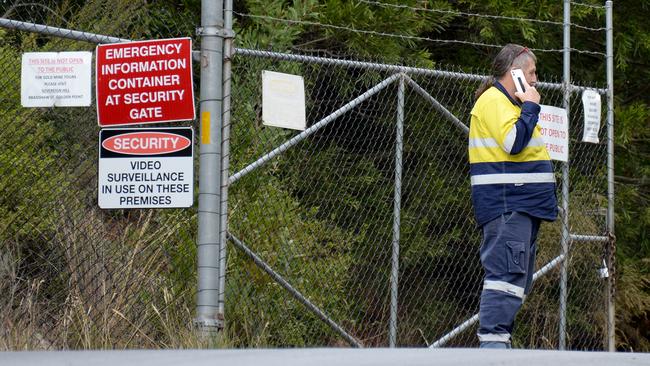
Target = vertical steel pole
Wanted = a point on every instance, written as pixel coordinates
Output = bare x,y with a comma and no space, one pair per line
397,203
225,151
611,326
207,306
565,179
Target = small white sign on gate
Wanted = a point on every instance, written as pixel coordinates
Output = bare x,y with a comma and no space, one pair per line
591,104
55,79
554,127
283,100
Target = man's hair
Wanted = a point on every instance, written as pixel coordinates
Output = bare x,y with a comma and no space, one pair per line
509,56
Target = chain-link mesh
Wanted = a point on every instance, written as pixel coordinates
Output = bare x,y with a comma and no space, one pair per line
320,216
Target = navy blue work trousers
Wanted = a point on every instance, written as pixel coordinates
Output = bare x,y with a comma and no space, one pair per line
508,257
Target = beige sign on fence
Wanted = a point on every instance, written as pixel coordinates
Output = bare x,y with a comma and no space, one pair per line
283,100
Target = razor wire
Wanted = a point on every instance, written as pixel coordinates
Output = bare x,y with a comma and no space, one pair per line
402,36
478,15
319,214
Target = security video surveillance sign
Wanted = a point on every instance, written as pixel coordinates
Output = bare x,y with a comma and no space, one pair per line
146,168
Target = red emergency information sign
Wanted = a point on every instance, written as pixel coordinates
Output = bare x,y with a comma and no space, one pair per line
144,82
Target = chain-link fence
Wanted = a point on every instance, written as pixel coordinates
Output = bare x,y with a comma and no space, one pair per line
357,231
325,216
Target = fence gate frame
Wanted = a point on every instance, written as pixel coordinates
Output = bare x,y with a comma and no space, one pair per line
402,77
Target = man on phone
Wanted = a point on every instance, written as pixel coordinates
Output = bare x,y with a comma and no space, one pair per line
513,189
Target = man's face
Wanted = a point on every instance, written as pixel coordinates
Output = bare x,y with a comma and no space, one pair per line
530,71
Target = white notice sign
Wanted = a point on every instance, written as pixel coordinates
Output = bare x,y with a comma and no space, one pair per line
591,105
283,100
554,127
60,79
146,168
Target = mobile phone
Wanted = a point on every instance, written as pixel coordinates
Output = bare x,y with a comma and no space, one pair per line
519,79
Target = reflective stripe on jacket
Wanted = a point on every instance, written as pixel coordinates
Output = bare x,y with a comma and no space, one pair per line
509,166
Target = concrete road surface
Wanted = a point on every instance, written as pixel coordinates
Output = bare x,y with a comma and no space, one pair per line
324,357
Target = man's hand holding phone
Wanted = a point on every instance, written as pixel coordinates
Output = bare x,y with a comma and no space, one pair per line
525,92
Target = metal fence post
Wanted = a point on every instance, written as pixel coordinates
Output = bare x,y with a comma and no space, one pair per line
394,277
565,179
611,324
225,152
208,251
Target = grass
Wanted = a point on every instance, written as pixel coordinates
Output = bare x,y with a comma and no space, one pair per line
107,288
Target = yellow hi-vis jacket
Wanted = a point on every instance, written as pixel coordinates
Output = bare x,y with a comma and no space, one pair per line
510,168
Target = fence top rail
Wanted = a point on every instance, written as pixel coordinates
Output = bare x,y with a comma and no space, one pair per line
99,38
68,33
394,68
59,32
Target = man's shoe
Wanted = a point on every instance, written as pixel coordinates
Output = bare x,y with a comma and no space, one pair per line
495,345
